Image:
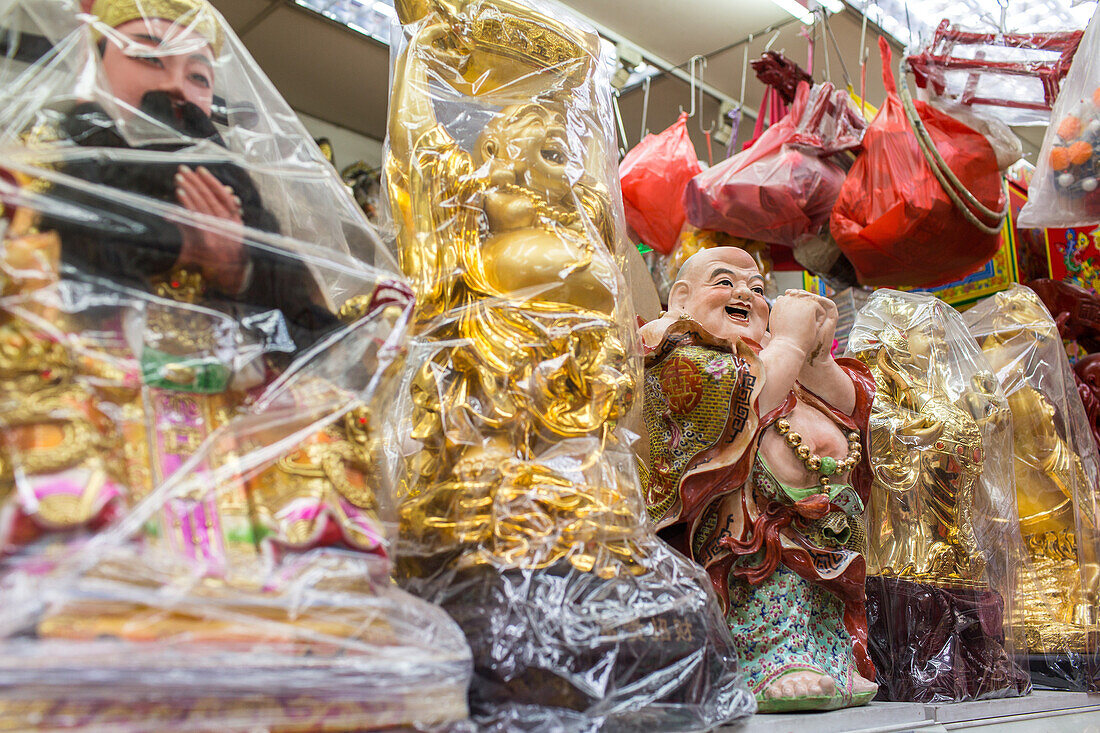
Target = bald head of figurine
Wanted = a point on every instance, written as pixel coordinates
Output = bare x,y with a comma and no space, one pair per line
722,290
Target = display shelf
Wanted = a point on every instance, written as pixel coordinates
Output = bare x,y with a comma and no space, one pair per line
1039,712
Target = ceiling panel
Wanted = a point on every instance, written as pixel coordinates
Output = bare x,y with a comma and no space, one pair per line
320,67
675,29
239,12
337,75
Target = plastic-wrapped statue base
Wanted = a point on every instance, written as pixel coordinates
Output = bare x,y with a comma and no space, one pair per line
561,647
933,643
337,663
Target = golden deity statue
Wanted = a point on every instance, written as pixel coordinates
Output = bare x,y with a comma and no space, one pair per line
510,259
926,453
1056,470
940,522
506,223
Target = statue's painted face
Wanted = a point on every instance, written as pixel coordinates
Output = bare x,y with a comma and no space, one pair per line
147,64
722,289
529,150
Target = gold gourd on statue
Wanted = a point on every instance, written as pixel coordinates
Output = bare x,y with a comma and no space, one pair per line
508,247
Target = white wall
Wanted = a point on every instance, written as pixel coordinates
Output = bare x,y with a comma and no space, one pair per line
347,146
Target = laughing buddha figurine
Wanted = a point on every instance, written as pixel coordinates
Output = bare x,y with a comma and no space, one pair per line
756,439
1056,470
521,514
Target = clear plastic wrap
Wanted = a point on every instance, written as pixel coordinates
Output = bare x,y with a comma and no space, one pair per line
943,542
1065,189
782,189
521,512
1011,77
195,376
1057,474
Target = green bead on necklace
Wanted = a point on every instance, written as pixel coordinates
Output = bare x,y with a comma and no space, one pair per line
824,466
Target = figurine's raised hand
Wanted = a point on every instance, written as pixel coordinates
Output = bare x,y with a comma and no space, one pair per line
446,45
797,319
218,254
826,330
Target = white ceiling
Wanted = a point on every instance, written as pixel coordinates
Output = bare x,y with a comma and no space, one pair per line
675,29
335,74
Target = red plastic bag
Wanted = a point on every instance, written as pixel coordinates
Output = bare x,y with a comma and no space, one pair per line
782,188
653,176
893,219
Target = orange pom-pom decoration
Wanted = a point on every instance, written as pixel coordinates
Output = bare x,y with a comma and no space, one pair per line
1059,158
1069,128
1080,152
1096,97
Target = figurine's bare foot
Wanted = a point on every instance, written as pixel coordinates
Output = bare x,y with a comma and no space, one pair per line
801,684
861,685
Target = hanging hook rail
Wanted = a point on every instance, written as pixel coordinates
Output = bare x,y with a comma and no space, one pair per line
744,73
645,106
702,70
774,38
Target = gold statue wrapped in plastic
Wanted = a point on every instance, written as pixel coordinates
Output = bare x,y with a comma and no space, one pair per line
1056,469
496,242
506,224
941,523
927,456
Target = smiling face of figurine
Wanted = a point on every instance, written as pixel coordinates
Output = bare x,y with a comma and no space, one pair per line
146,64
525,146
722,289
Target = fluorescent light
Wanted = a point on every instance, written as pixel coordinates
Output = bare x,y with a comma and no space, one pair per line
798,10
833,6
924,15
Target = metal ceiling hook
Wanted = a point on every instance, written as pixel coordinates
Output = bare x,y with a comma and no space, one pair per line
744,73
702,70
619,121
691,77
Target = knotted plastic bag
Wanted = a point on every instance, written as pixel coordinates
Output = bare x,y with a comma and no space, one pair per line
1064,191
781,189
894,220
653,176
